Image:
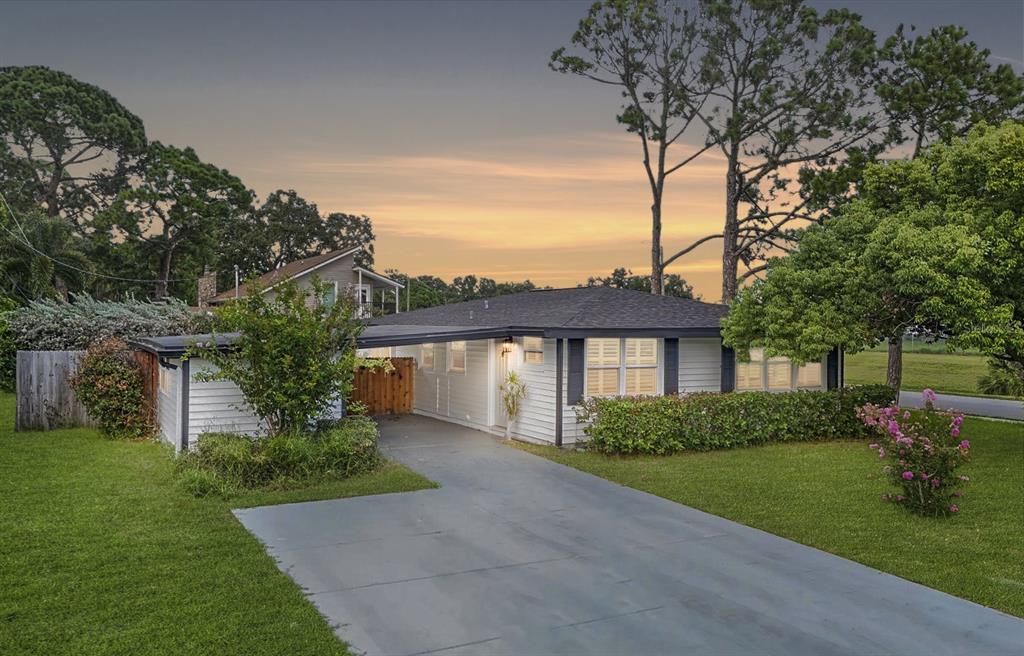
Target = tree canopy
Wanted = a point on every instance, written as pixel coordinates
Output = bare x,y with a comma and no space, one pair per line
672,284
71,144
930,244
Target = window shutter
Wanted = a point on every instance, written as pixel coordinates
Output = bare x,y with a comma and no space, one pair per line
832,369
574,386
671,365
728,368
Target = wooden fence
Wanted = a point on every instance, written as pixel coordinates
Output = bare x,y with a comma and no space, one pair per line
45,400
44,396
383,392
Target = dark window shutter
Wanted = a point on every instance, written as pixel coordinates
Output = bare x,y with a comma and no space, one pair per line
728,369
671,365
574,386
832,369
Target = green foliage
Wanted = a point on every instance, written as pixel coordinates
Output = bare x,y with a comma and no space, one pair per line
286,228
51,325
932,243
108,382
223,463
672,283
935,86
429,291
294,357
8,347
1003,378
704,421
29,249
73,143
171,217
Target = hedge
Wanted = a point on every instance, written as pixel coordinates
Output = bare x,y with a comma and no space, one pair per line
706,420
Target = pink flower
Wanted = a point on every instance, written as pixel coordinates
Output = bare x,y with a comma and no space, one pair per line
935,482
964,444
908,475
899,497
929,396
958,493
881,453
872,446
964,478
906,414
958,420
955,432
953,508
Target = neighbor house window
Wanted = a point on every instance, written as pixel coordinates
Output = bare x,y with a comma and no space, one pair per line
427,357
330,296
457,357
622,366
533,350
776,374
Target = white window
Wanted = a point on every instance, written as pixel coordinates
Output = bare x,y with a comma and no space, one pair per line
749,374
330,296
457,357
809,375
622,366
365,293
776,374
427,357
533,350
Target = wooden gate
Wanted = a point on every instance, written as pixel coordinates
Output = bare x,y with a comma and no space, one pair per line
386,392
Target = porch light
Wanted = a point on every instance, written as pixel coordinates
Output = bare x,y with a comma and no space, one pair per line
506,345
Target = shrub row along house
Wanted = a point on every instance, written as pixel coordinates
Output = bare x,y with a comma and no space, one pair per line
564,344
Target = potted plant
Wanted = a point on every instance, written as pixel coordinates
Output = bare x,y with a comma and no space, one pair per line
512,393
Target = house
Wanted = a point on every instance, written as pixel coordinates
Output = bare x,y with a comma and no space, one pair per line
565,345
338,269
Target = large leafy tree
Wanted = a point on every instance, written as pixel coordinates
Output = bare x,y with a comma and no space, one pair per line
71,145
41,256
933,243
648,50
622,278
171,217
287,227
935,86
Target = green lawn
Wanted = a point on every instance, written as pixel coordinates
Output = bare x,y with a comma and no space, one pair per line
944,372
100,553
828,495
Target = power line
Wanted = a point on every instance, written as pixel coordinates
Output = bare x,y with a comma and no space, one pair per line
24,240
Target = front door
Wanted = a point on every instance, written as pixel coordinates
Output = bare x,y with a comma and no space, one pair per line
503,357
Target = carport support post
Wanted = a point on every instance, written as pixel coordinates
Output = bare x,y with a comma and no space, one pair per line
559,374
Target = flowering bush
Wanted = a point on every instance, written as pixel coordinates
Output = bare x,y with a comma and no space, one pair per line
922,450
108,382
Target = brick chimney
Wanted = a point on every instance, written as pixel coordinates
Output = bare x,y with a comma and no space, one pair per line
207,287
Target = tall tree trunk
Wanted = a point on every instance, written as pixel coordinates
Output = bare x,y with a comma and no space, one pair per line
894,369
730,236
165,274
656,255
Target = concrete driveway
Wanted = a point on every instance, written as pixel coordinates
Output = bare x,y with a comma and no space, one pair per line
519,555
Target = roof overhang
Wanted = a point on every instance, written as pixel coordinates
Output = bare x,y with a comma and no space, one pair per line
379,278
175,346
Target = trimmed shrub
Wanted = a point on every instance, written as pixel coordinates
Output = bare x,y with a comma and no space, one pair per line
1003,378
923,451
108,382
291,459
708,420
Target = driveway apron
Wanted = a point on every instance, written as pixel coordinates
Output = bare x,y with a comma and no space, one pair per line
515,554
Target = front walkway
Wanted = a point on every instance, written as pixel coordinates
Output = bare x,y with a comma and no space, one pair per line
516,554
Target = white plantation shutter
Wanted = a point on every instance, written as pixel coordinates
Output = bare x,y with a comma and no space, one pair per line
642,352
642,380
809,375
780,374
602,351
602,382
622,366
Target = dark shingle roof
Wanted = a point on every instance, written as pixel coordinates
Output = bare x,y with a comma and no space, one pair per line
601,308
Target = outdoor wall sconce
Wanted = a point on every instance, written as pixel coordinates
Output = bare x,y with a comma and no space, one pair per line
506,345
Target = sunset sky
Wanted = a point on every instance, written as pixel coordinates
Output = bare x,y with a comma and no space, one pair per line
441,121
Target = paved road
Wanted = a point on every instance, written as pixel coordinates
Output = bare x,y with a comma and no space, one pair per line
972,405
518,555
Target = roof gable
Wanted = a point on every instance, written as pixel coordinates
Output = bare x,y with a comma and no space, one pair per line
289,271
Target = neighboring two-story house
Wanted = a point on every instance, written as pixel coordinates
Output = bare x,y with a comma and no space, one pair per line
339,270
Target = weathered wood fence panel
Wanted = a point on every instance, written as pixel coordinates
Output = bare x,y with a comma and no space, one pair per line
44,397
386,392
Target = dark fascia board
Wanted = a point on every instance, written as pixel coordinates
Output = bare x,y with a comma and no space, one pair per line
436,337
632,332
